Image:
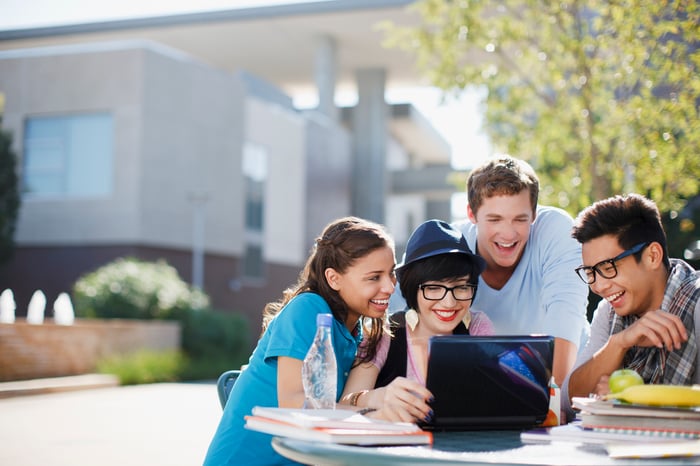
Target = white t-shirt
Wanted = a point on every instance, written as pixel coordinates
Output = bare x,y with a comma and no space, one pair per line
543,295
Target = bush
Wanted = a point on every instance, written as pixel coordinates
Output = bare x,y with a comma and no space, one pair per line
212,341
144,366
132,289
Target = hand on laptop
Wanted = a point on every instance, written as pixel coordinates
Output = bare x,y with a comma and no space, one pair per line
403,400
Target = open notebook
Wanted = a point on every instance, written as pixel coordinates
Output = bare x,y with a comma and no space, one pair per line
489,382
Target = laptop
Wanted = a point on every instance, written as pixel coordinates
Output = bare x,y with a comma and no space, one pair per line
489,382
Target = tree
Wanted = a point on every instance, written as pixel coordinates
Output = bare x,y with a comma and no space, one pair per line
9,196
600,96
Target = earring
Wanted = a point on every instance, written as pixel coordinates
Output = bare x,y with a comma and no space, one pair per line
467,319
411,319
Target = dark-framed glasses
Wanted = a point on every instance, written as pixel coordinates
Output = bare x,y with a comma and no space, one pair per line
607,268
438,292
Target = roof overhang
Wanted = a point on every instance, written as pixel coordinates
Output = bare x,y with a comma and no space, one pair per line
278,43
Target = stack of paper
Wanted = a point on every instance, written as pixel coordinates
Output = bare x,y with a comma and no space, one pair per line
334,426
665,450
628,431
617,417
575,432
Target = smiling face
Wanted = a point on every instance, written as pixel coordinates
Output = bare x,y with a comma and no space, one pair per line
504,223
638,287
441,317
366,285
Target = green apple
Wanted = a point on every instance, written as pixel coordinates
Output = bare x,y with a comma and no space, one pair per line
623,378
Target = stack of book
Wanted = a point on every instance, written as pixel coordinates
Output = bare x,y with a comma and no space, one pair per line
627,430
613,416
340,426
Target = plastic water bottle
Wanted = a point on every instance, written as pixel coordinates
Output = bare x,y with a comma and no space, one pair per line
319,372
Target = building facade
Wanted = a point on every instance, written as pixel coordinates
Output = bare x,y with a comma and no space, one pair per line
131,147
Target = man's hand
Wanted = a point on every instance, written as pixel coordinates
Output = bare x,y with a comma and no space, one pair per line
602,388
655,328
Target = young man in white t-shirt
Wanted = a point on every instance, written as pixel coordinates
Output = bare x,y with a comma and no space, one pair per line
529,284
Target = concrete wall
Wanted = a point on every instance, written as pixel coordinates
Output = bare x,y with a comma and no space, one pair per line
177,135
29,351
86,81
282,135
329,175
192,136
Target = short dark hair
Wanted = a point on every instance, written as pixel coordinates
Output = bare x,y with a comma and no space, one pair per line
631,218
502,175
440,267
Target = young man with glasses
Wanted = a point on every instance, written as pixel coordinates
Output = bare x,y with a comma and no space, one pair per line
649,317
438,279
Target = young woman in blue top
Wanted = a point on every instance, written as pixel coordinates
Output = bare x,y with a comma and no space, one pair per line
350,274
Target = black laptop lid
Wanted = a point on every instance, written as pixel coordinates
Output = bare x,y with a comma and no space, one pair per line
489,382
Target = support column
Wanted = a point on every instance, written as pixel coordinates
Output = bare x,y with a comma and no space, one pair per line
199,200
370,180
325,75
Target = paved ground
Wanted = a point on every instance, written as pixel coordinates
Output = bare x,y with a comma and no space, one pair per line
158,424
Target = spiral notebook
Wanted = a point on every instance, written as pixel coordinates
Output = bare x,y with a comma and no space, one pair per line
489,382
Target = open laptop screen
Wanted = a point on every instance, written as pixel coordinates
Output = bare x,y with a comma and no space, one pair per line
489,382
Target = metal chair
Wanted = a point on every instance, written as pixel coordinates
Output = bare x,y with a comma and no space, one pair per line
225,384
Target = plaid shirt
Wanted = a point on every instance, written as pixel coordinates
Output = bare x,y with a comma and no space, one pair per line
659,365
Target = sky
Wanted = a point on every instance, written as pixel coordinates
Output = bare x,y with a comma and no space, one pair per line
457,120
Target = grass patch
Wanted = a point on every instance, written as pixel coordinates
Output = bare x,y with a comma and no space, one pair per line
144,366
207,368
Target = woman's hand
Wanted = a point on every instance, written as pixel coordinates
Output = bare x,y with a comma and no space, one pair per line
402,400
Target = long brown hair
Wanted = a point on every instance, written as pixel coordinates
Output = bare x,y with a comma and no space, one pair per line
342,242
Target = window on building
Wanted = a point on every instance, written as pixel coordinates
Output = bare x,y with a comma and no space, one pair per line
255,174
68,156
253,265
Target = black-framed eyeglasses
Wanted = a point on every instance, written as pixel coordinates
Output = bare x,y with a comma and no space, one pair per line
607,268
438,292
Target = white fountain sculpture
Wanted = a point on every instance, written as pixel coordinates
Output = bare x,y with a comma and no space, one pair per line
63,310
37,305
7,307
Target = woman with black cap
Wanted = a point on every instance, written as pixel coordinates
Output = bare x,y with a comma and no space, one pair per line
438,279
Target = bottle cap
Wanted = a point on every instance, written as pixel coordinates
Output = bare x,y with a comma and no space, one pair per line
324,320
